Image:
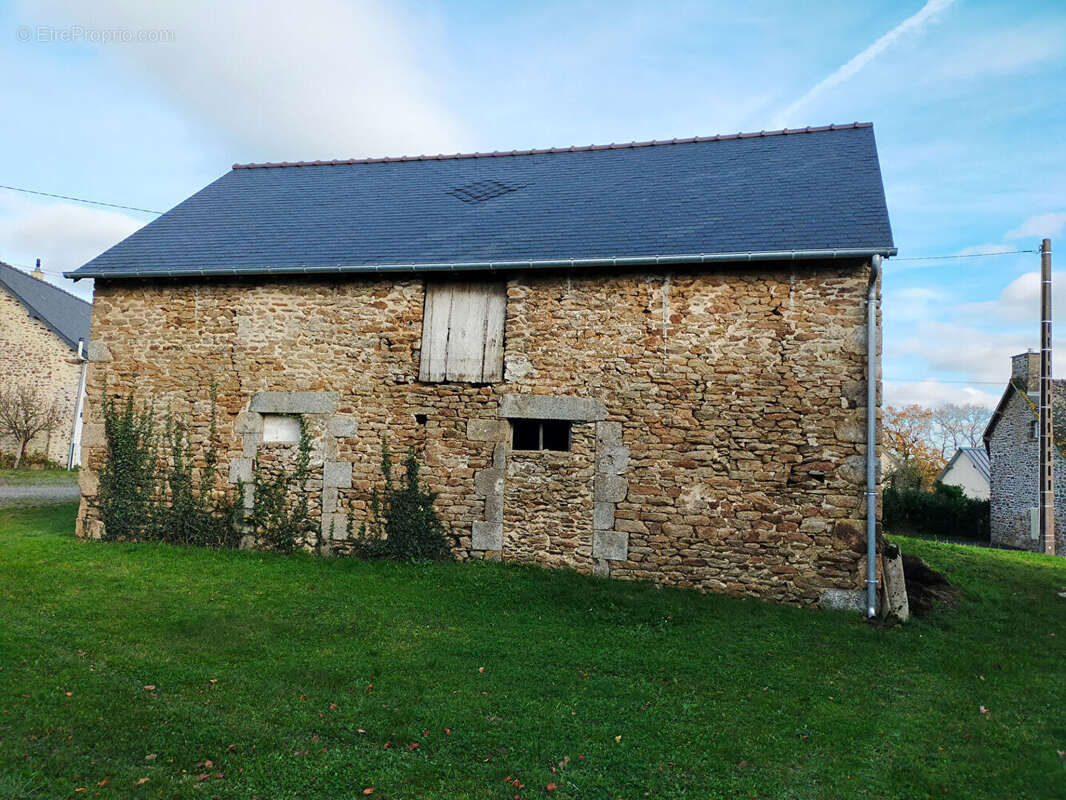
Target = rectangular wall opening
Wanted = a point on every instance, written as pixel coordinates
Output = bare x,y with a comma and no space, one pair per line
540,434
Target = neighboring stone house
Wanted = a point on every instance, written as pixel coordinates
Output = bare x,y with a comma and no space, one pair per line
646,361
44,332
1012,442
970,470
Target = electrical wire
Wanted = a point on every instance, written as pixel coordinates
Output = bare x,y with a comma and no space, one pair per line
966,255
79,199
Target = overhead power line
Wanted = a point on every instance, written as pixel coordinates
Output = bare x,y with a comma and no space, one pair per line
966,255
79,199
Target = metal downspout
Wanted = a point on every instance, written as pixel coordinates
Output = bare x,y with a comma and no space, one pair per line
79,402
871,437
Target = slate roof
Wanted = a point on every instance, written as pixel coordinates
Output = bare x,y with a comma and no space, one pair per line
979,458
782,195
66,315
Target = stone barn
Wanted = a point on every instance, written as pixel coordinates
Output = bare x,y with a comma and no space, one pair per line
44,334
644,360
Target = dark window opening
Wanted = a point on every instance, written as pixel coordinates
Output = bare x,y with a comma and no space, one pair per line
1034,430
421,419
540,434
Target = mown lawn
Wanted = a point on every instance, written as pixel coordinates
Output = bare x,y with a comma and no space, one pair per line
304,678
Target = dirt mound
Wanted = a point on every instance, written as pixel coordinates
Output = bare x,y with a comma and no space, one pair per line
925,585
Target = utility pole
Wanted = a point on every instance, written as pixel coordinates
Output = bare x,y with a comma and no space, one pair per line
1047,435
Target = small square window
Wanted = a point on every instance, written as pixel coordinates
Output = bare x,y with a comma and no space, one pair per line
1034,430
540,434
281,428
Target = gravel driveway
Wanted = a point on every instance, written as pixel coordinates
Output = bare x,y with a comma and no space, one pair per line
37,494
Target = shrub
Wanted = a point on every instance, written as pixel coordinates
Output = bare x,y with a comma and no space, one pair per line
157,495
127,478
402,522
275,520
944,512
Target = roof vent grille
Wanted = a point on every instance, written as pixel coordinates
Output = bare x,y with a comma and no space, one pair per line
480,191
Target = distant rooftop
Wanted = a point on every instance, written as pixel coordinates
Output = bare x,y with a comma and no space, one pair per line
777,195
66,315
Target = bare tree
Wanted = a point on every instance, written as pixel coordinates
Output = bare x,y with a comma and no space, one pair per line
24,413
959,426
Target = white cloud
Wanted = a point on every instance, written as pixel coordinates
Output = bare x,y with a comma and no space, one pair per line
1040,226
981,355
1020,301
932,393
63,235
283,80
912,25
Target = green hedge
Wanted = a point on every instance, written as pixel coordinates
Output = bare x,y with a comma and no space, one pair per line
944,512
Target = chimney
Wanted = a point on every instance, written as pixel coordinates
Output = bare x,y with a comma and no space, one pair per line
37,272
1025,371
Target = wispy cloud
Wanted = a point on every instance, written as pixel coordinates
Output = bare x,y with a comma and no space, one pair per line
1042,225
281,80
909,26
932,393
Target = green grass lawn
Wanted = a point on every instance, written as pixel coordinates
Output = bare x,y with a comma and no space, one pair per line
23,477
312,678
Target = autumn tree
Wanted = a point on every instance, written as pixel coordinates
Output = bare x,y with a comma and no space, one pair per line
24,413
909,436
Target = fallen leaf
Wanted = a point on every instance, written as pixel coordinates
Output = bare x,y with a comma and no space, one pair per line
104,782
360,730
368,790
231,748
79,790
203,776
550,787
984,710
448,731
151,757
69,694
480,669
412,747
212,680
333,707
1062,753
618,738
141,781
209,763
149,688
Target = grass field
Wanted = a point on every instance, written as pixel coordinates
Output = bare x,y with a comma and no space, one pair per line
22,477
152,671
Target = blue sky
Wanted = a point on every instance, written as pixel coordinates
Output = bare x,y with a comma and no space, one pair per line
966,98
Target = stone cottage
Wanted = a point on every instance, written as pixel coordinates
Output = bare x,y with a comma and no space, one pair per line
1012,440
644,360
44,333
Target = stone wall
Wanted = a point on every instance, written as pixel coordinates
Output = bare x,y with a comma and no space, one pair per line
31,354
717,417
1015,460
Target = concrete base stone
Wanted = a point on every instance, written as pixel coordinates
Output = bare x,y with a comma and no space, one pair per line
89,483
894,602
601,569
487,430
540,406
844,600
240,469
488,482
248,422
603,516
487,536
92,435
294,402
329,499
335,526
342,426
494,508
250,444
609,488
610,545
337,474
